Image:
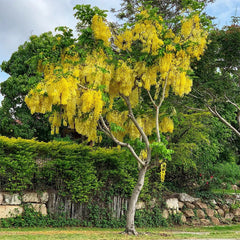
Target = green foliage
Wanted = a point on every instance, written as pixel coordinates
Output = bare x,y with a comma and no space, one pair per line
202,143
15,117
175,219
77,171
71,171
100,216
226,172
116,170
199,142
218,73
150,218
169,9
17,166
31,218
159,149
85,13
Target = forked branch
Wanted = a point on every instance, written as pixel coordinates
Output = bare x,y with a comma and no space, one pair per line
104,128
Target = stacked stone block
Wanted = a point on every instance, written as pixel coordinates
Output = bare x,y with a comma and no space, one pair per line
11,205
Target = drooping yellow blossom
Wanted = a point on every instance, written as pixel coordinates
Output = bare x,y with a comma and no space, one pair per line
93,74
55,120
165,64
186,28
143,154
169,34
84,89
191,30
100,29
124,79
166,125
124,40
150,36
163,171
148,75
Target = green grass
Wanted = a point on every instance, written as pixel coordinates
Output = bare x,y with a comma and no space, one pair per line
225,191
228,231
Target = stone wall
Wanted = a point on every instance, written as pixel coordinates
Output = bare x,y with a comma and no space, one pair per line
193,211
12,204
52,202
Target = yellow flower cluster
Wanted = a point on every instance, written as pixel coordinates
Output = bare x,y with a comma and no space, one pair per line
55,120
150,34
147,31
100,29
87,127
92,73
124,41
163,171
61,87
52,92
191,30
148,75
166,125
123,80
143,154
174,64
75,86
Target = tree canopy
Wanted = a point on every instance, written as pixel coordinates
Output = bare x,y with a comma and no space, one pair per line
217,87
97,84
168,9
16,119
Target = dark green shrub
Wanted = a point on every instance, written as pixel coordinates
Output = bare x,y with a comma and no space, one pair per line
150,218
226,172
75,170
31,218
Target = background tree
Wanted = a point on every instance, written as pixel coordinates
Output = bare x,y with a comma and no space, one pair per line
217,85
200,143
96,85
168,9
207,144
16,119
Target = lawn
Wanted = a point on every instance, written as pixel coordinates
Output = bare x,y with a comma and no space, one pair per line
227,232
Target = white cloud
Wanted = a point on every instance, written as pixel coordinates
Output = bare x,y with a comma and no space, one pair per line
223,10
19,19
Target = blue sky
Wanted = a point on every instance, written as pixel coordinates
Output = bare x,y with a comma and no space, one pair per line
20,19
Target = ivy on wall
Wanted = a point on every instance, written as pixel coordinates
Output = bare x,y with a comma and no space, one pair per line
75,170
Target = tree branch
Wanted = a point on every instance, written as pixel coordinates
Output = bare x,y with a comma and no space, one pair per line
150,96
215,113
157,115
108,132
157,124
144,136
234,104
163,93
83,87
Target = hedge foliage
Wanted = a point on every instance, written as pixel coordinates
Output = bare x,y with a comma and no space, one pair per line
75,170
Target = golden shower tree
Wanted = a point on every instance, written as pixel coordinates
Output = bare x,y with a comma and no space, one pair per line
98,84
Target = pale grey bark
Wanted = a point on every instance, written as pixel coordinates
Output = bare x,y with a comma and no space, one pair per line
144,164
130,226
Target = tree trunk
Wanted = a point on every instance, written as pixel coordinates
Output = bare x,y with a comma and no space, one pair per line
130,226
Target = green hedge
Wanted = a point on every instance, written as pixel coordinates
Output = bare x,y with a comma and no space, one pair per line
75,170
